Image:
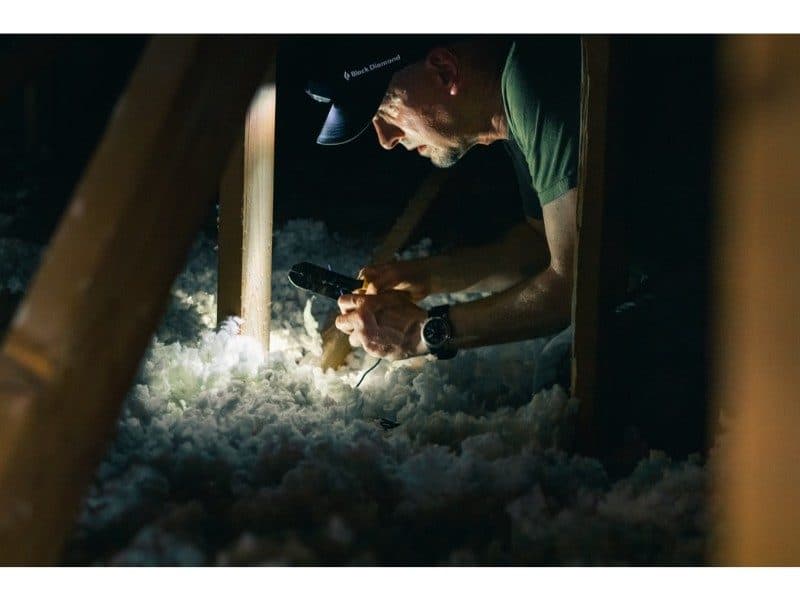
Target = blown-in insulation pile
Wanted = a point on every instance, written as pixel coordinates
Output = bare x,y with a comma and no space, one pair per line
225,455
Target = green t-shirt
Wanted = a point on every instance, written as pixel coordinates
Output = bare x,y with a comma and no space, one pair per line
541,93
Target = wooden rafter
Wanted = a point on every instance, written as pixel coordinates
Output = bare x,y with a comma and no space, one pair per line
76,340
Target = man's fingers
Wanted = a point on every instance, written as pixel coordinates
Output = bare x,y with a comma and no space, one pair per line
368,272
352,321
352,326
368,301
348,302
346,323
375,349
379,278
354,339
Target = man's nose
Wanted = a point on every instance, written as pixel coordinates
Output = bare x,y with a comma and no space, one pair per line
388,135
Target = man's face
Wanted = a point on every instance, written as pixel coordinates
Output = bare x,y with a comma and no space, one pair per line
418,113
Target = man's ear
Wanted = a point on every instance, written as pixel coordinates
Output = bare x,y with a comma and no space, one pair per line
445,64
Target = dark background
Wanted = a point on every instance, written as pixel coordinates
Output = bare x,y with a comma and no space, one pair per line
52,119
58,91
64,87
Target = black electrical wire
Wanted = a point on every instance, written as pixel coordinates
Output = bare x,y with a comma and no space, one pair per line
367,372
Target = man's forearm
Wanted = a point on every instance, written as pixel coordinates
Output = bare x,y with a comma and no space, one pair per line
532,308
389,323
493,267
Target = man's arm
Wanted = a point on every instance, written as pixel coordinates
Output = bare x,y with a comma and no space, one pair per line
389,324
520,253
539,305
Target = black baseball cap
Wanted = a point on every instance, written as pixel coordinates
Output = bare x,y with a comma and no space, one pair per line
353,77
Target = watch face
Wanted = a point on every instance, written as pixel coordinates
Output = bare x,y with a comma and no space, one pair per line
435,332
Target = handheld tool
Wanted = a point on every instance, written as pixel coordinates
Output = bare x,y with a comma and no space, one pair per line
320,280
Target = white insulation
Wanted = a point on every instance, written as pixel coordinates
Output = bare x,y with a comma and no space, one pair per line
226,456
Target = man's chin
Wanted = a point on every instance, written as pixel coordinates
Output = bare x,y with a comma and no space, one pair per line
448,158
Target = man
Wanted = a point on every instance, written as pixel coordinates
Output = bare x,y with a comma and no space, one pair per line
440,100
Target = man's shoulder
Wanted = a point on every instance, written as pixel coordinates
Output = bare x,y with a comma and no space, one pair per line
543,65
541,94
541,72
546,51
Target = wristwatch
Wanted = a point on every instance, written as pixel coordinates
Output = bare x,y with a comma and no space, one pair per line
437,332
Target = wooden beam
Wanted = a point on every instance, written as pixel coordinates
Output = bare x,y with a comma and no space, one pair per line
245,228
335,344
76,340
591,193
757,294
599,268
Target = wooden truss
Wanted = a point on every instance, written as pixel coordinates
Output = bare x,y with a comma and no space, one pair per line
83,325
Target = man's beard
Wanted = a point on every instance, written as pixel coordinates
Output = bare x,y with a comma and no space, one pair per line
447,157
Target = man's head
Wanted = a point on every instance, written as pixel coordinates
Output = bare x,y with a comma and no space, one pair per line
439,105
422,109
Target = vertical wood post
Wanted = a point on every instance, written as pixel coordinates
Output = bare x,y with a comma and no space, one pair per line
756,322
77,338
246,222
591,193
600,268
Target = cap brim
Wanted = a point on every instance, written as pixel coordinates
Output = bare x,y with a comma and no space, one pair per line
342,126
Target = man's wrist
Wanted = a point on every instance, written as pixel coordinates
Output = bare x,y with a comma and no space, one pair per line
437,332
421,347
416,345
437,267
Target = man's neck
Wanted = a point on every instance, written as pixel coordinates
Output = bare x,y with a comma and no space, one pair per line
499,125
489,110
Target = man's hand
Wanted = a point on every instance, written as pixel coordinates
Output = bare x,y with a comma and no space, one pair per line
411,276
387,325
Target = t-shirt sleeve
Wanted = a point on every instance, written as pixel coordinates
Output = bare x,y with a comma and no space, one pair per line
542,93
530,199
